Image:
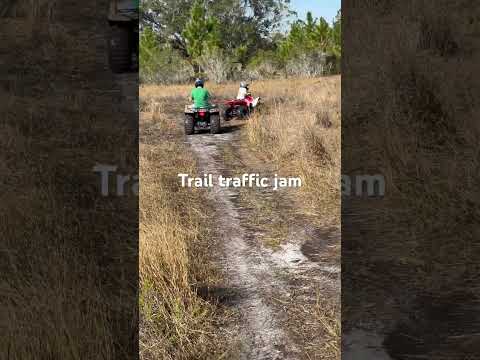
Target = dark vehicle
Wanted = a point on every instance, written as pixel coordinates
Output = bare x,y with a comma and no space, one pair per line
123,17
202,119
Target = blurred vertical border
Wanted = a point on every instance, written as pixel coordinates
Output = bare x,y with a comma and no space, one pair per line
68,256
410,109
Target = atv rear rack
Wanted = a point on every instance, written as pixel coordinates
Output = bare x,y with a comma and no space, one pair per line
189,109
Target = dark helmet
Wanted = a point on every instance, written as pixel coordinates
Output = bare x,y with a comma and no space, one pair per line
199,82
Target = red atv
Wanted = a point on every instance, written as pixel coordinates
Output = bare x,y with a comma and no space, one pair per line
240,108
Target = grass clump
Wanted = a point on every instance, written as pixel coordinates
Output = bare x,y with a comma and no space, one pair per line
175,323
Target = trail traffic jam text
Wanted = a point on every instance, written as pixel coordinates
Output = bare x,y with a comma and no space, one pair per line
245,180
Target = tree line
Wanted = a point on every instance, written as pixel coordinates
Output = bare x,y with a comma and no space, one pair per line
228,39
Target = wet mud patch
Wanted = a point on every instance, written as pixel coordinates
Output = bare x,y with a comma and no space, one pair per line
220,295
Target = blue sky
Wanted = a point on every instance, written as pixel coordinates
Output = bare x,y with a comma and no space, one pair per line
319,8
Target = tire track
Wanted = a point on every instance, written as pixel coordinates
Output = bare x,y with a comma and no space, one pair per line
258,274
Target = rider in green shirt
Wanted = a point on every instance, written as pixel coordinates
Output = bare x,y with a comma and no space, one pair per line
200,96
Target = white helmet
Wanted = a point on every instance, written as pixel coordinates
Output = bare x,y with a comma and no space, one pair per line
244,84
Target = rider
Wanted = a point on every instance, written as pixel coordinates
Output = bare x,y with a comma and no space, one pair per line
200,95
243,90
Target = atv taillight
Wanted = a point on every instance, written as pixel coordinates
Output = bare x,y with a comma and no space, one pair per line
201,113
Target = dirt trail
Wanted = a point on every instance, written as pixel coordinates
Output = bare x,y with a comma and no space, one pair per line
267,281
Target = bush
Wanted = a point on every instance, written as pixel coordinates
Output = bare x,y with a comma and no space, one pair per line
311,48
161,64
216,65
264,65
164,66
311,65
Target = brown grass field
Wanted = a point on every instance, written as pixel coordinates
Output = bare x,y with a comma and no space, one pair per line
299,131
68,255
175,323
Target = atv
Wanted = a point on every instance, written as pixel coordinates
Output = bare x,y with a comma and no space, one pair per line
202,119
240,108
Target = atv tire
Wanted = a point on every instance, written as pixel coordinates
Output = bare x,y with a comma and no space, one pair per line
215,126
120,55
189,125
244,112
228,115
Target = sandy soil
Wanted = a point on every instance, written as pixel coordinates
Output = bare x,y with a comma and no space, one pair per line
267,279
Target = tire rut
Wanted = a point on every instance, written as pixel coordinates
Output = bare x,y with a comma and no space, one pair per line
263,337
256,273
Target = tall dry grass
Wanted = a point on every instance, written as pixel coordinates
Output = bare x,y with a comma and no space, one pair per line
66,287
412,117
299,130
68,259
176,323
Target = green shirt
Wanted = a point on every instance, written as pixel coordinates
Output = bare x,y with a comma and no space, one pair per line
200,98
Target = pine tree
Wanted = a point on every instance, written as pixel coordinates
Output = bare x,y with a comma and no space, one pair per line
201,33
337,35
